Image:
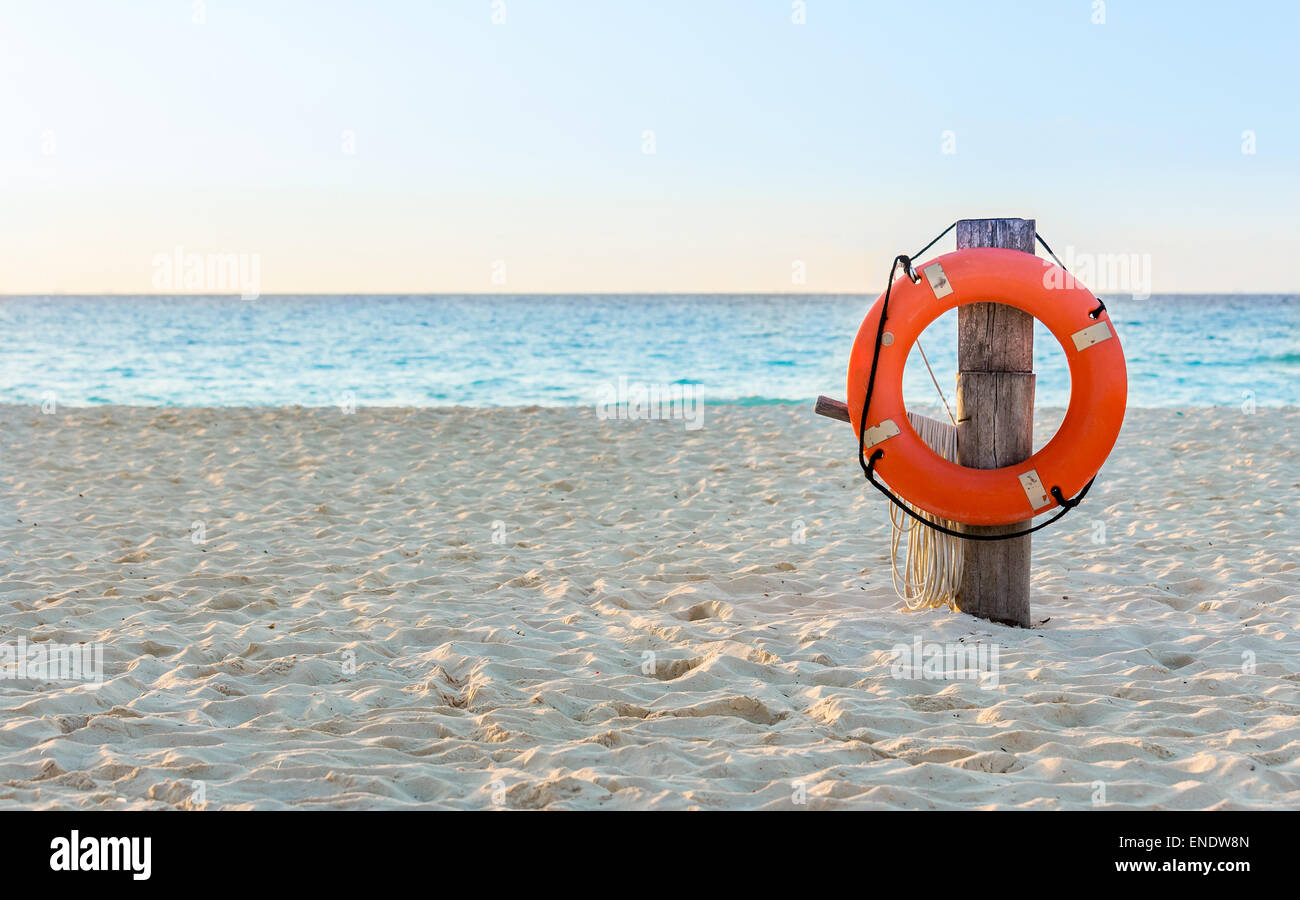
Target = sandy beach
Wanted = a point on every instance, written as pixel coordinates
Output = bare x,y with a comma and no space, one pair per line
528,608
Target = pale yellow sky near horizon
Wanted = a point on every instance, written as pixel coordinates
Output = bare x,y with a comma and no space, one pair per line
315,242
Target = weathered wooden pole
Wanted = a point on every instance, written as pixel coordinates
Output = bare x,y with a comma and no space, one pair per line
995,424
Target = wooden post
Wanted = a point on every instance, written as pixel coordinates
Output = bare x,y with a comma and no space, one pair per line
995,424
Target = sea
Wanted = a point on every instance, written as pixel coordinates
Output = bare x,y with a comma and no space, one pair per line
1182,350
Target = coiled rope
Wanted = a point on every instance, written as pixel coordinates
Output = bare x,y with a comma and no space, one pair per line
932,560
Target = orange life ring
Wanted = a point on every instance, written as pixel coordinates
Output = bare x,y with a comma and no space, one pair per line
1098,387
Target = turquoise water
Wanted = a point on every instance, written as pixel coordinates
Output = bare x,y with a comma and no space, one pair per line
1182,350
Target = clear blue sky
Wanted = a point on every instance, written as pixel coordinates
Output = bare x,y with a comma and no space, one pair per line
131,129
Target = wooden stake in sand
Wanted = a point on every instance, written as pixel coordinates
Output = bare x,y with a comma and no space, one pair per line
995,424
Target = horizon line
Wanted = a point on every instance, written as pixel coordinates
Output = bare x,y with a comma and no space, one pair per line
261,296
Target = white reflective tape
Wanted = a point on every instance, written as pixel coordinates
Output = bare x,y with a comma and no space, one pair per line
1093,334
1034,489
877,434
939,282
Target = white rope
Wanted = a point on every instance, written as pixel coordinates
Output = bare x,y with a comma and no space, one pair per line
938,389
932,564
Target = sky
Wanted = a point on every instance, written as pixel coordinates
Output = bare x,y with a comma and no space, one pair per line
548,146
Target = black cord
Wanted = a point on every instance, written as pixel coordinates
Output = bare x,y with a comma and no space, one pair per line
935,241
1093,313
1066,506
1040,240
869,466
875,361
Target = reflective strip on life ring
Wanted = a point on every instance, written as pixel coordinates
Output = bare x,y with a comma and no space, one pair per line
1098,387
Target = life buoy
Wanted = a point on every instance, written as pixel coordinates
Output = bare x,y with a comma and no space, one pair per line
1098,387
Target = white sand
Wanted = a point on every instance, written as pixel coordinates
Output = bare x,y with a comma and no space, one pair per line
513,671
